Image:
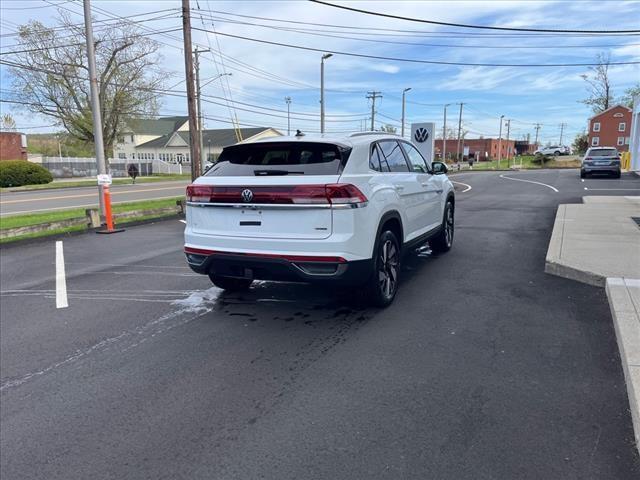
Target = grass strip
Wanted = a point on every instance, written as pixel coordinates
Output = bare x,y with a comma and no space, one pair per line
14,221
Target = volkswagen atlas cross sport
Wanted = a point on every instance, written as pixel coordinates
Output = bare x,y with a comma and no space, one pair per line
601,160
322,209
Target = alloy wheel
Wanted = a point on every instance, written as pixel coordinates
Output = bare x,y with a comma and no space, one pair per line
388,268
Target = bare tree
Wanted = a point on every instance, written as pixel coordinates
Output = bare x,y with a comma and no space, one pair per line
600,94
51,76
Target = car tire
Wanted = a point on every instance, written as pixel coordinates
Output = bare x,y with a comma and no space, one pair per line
583,174
230,284
443,241
617,174
383,283
556,153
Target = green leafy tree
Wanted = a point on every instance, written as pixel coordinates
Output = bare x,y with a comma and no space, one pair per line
7,123
50,75
388,128
629,94
580,143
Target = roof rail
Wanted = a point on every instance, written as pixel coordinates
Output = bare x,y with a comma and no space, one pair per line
361,134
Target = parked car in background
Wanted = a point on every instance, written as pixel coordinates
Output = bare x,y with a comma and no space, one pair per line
554,150
337,210
601,160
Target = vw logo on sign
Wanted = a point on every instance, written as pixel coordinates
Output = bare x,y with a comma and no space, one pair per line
247,195
421,135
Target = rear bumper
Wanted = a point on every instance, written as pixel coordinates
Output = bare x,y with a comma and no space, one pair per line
295,268
600,168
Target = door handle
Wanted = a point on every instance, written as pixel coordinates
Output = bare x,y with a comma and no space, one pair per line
424,184
399,187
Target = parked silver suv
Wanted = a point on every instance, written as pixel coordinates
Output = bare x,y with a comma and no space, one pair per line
601,160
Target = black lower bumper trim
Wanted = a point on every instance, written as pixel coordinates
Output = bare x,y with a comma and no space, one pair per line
276,269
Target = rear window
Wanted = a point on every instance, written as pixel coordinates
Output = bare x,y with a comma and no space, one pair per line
281,158
603,152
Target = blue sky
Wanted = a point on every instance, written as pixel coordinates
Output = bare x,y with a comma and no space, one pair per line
262,74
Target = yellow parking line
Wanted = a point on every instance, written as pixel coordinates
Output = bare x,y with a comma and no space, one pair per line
85,195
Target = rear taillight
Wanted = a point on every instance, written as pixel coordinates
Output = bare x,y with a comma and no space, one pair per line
343,193
329,194
198,193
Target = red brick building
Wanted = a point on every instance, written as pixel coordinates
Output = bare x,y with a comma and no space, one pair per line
13,146
480,149
611,128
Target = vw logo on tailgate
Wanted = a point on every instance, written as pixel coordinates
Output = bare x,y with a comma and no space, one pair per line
247,195
421,135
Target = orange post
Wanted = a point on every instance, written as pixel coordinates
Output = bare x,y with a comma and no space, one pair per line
107,207
106,197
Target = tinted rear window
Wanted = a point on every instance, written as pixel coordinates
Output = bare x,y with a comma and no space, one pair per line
281,158
605,152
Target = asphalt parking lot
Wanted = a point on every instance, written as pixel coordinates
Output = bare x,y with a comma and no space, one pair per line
484,367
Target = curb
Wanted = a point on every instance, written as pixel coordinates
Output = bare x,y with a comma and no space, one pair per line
554,266
626,320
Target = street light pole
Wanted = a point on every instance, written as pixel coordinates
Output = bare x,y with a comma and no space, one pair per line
444,134
288,100
500,142
403,101
95,101
324,57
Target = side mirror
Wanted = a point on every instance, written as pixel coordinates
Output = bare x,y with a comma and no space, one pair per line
439,168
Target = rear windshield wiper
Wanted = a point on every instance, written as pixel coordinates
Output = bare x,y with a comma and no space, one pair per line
276,172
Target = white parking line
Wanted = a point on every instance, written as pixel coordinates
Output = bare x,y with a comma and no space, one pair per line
464,184
183,221
620,189
61,280
530,181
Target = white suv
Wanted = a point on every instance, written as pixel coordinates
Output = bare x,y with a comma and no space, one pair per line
319,209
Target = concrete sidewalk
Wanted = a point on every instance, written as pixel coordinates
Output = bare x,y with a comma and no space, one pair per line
596,240
598,243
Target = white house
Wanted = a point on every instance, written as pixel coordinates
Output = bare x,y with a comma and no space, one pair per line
167,139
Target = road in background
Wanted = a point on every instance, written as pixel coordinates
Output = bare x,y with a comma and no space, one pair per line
33,201
484,367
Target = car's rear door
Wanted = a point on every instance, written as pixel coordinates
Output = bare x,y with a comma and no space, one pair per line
267,190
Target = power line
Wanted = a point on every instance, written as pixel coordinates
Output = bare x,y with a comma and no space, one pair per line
331,34
78,44
413,33
463,25
412,60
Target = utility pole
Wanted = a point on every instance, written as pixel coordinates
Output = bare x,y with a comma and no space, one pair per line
196,54
500,142
373,95
288,101
324,57
95,102
459,131
537,129
191,96
508,148
403,101
444,134
562,125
